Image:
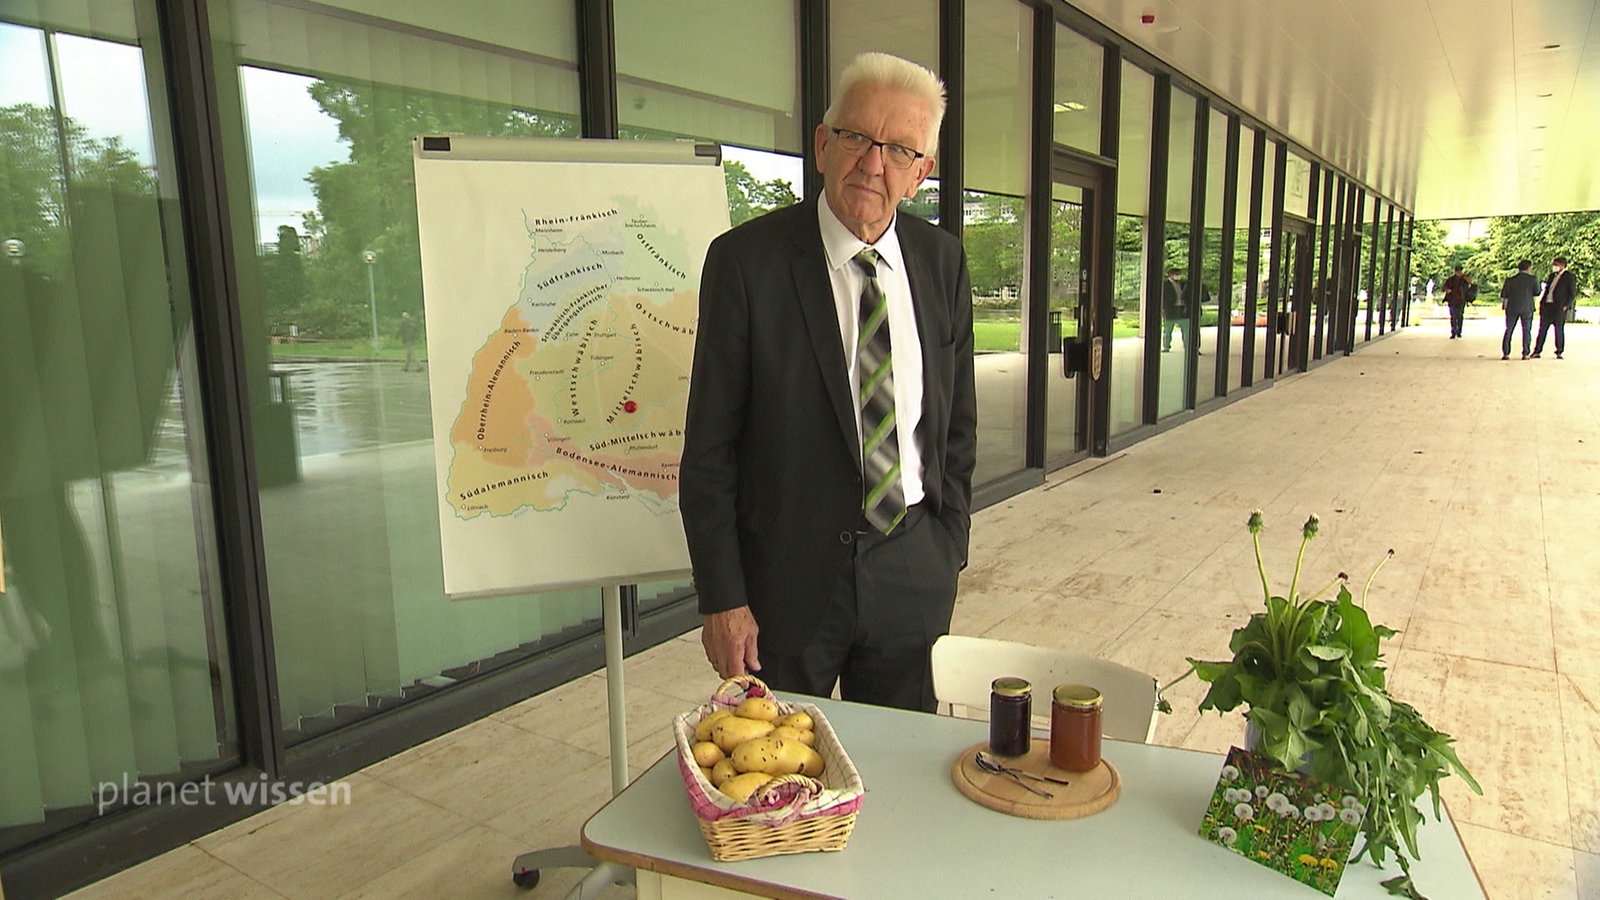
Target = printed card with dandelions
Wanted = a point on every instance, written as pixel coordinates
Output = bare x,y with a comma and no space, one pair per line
1286,821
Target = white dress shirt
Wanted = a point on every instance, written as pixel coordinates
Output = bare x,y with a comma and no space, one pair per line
848,282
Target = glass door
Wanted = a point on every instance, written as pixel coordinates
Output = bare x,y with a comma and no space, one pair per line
1291,306
1071,255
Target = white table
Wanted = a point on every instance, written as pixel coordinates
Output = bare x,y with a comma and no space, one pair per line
918,837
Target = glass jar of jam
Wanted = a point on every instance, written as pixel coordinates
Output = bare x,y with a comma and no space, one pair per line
1075,727
1010,716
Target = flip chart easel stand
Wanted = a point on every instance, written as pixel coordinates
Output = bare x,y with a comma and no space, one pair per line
525,868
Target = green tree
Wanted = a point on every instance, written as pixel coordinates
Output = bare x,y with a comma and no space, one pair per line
1428,253
283,273
749,197
1541,238
44,159
994,237
369,202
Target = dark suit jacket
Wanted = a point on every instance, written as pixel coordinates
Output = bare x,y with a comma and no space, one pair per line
1519,292
770,485
1561,292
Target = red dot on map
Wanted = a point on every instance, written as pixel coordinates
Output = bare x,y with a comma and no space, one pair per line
630,406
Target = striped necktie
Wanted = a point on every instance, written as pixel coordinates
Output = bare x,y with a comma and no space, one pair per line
884,503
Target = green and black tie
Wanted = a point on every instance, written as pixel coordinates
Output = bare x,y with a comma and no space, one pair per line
884,503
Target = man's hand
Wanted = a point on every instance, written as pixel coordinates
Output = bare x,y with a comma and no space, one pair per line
730,641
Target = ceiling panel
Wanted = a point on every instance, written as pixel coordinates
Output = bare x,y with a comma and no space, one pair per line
1454,108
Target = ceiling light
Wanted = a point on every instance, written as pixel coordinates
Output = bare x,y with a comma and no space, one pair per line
1552,46
1167,29
1062,106
1537,127
1546,94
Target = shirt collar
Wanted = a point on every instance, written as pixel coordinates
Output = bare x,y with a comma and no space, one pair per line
841,246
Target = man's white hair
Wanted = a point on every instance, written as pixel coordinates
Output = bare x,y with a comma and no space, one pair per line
901,74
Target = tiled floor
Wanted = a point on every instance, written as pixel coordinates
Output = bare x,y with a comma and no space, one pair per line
1483,476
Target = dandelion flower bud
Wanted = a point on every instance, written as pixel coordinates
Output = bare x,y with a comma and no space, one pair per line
1254,524
1311,526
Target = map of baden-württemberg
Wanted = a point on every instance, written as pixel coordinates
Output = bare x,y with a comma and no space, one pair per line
561,305
582,388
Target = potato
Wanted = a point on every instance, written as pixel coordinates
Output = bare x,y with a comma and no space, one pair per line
761,755
811,763
722,771
759,708
731,731
791,733
706,754
707,773
740,787
702,731
776,756
800,720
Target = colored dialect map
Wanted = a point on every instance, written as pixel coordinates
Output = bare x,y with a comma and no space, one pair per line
582,387
559,420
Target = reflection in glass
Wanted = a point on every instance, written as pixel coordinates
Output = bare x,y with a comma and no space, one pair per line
113,665
1128,263
328,254
1080,64
737,80
1241,316
1181,301
994,228
1069,298
1269,328
1213,308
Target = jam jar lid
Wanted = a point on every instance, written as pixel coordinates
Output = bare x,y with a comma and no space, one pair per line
1080,696
1010,686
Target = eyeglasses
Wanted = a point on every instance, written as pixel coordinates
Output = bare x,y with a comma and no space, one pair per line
857,144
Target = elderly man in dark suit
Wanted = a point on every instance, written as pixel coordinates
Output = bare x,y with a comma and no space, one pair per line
827,463
1560,289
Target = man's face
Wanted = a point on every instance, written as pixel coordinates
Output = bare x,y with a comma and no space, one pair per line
1558,266
864,190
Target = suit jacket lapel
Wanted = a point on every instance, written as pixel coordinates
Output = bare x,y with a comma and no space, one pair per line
815,292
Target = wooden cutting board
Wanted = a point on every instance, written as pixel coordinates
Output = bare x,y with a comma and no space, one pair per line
1088,793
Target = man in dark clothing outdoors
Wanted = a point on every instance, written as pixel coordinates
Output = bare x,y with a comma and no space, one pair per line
1455,295
1516,298
1175,311
410,330
1559,290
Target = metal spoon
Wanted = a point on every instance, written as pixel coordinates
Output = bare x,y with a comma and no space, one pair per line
995,765
989,765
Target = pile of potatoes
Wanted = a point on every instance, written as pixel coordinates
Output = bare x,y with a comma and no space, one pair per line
741,749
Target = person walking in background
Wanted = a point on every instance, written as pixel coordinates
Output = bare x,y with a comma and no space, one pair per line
1455,296
1559,290
410,331
1174,311
1516,298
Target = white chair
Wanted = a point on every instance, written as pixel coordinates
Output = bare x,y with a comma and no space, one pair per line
964,667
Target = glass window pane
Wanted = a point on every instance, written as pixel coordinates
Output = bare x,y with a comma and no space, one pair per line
994,226
318,106
1128,273
1241,316
737,82
1213,311
111,631
1180,301
1297,197
1080,64
1271,329
672,82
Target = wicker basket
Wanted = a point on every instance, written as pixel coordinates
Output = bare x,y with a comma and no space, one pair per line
791,813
